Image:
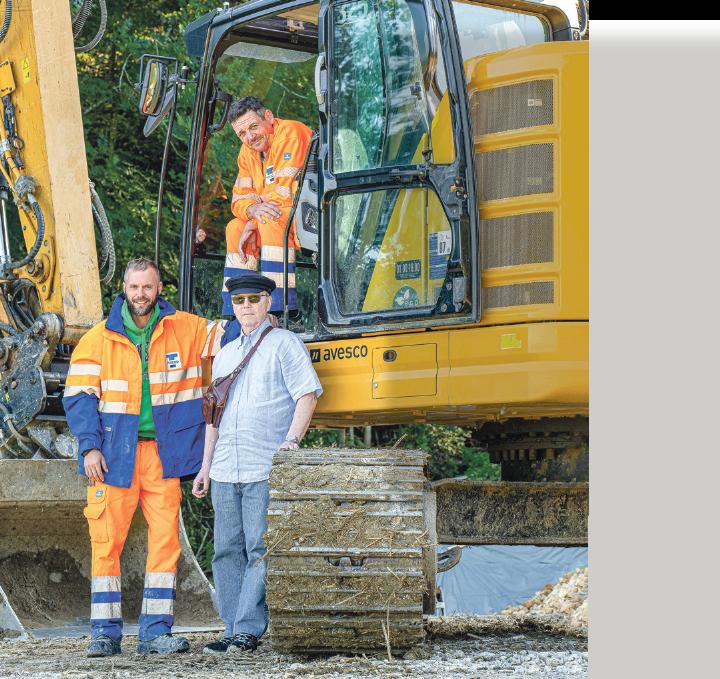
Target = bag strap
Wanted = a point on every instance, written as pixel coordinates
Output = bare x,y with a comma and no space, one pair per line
233,375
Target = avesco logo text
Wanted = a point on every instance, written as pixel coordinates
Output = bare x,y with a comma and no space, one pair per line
340,353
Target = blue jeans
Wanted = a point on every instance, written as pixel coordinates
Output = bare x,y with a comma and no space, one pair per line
238,566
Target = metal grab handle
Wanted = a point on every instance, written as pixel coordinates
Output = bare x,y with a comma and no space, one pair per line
319,65
449,558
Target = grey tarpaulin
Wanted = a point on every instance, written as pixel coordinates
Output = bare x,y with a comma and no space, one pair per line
490,578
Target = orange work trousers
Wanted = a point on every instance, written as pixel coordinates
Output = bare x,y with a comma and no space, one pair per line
265,257
109,511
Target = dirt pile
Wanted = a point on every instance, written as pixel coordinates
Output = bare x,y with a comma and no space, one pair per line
567,598
561,608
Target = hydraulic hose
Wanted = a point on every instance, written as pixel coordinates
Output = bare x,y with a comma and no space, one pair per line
6,21
23,317
107,244
583,16
78,21
100,31
38,238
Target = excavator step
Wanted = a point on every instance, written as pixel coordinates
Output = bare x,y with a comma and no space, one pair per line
351,550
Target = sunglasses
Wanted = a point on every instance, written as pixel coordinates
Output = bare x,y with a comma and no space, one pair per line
253,299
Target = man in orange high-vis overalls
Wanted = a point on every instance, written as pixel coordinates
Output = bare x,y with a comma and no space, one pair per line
133,399
271,157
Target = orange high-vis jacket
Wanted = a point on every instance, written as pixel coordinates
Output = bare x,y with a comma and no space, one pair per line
103,391
275,178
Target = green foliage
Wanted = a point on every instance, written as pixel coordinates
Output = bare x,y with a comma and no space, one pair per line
124,165
197,516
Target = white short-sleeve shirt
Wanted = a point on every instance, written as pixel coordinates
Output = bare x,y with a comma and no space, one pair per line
261,402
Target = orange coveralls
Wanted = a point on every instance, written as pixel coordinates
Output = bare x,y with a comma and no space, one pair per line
273,177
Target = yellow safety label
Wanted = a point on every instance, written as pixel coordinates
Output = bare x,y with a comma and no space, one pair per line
26,69
510,341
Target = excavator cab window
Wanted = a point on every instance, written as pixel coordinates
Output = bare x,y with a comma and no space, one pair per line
398,219
273,59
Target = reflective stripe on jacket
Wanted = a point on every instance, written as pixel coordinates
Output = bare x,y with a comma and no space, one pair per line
103,391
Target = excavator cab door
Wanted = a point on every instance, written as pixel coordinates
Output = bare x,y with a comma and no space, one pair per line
398,216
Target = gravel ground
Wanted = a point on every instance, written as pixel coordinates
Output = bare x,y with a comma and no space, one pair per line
545,638
486,655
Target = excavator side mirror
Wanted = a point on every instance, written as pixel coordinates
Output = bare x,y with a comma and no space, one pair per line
153,87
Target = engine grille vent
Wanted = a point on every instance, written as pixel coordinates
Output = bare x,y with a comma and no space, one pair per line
539,292
517,239
512,107
516,171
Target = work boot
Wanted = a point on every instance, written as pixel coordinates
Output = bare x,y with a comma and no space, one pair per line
165,643
243,643
102,646
219,646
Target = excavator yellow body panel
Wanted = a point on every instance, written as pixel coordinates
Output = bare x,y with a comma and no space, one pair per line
41,58
528,355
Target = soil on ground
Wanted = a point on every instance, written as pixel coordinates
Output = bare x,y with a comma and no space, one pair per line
544,638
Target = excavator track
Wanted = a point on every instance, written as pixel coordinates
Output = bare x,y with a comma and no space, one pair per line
351,550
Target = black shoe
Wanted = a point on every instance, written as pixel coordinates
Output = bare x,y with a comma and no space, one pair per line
219,646
165,643
243,643
102,647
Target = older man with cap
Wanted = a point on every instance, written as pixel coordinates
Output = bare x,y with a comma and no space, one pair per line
269,407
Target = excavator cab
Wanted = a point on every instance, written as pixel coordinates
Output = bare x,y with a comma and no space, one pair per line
384,216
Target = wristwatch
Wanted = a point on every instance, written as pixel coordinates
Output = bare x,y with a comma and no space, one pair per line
293,439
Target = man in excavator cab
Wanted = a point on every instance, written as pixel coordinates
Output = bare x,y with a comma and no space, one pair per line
271,157
139,432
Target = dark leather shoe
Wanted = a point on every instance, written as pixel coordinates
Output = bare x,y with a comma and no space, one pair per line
243,643
219,646
102,647
165,643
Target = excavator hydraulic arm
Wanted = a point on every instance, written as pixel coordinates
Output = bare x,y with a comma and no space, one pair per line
50,279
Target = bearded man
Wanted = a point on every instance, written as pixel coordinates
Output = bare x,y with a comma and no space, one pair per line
133,399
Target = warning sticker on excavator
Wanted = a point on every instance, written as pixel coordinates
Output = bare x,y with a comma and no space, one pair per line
510,341
26,69
440,246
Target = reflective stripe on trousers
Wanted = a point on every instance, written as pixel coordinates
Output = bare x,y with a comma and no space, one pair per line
270,263
109,512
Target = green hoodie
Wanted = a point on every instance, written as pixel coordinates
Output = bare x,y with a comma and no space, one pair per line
140,337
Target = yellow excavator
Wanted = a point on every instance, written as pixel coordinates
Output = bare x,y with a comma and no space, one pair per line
442,218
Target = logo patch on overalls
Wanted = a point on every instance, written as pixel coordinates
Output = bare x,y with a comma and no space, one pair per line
98,493
287,155
172,360
269,175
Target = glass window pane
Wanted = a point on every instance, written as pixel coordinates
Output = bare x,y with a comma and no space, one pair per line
381,110
391,250
483,30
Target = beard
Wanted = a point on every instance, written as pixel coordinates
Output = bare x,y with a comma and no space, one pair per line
142,308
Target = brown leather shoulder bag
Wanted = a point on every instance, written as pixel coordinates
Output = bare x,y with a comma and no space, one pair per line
215,398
